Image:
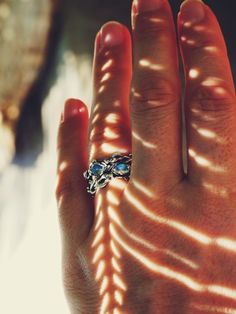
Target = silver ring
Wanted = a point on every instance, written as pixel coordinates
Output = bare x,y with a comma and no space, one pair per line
100,172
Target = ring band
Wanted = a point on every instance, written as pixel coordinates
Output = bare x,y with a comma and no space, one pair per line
100,172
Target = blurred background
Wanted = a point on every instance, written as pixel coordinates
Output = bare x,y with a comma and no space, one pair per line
46,52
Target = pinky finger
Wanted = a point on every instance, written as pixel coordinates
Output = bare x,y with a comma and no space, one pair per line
75,206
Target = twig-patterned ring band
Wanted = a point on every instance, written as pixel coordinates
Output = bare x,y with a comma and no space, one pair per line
100,172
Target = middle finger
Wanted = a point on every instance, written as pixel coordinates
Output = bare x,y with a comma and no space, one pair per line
155,103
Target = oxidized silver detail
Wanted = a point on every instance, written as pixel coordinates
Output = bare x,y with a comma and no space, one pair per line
100,172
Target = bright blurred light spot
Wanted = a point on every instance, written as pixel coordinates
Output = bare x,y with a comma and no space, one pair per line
228,244
112,118
156,20
95,119
194,73
100,269
146,63
105,303
107,65
118,297
207,133
191,42
98,237
98,253
142,188
183,38
118,281
187,24
112,198
211,49
204,162
63,165
110,134
220,90
101,89
143,141
109,148
211,81
220,191
115,264
104,285
118,184
106,77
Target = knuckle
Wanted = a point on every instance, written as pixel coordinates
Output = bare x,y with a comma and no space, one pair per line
153,94
214,100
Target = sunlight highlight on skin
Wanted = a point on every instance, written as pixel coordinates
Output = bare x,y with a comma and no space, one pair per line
191,42
112,118
202,161
225,243
142,141
100,269
190,232
114,216
112,198
115,265
118,296
110,134
99,220
63,165
105,303
95,119
200,28
119,282
98,253
228,244
194,73
104,285
96,108
147,64
118,184
141,187
114,248
211,49
99,200
204,132
98,237
156,20
219,191
211,81
187,24
183,38
213,309
107,65
176,276
101,89
110,149
106,77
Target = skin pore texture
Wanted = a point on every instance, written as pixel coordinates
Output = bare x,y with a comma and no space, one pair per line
164,242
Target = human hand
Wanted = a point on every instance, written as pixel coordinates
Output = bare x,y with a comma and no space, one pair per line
164,242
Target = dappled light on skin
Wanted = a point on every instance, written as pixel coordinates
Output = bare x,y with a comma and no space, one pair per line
156,20
96,108
106,254
213,49
107,65
169,273
145,63
106,77
191,232
194,73
204,162
191,42
112,118
142,141
211,81
110,134
110,149
187,24
183,38
95,119
63,166
200,28
101,89
218,191
143,188
213,309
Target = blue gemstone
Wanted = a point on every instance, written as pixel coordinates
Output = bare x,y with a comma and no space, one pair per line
121,167
97,169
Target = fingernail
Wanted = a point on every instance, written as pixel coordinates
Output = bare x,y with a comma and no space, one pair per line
148,5
112,34
192,11
73,107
